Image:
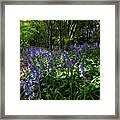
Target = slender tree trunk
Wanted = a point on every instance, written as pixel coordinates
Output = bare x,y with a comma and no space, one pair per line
45,35
60,35
48,36
63,34
68,32
51,35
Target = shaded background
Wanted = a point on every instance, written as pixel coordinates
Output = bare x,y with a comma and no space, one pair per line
49,33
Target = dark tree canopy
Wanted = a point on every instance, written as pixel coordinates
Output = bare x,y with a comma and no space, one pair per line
48,33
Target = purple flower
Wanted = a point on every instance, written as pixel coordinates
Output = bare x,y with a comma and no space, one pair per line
31,88
75,45
76,51
41,65
28,93
32,66
66,48
29,82
81,67
71,46
68,60
47,56
25,59
84,46
83,72
35,74
95,45
32,53
42,74
37,51
21,83
24,87
35,81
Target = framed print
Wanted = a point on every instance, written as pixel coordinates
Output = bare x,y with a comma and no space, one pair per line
59,59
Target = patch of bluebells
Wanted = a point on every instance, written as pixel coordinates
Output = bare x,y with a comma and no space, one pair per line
95,45
39,68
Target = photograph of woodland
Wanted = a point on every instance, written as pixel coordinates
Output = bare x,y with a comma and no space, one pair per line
59,60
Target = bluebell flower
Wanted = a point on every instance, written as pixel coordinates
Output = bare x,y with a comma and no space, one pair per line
24,87
84,46
83,73
42,74
35,81
71,46
31,88
32,66
81,67
32,54
29,82
40,63
67,59
69,64
76,51
35,74
25,59
75,45
41,66
95,45
47,68
46,56
44,52
27,93
22,83
66,48
37,51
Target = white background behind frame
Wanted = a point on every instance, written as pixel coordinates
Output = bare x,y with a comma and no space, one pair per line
104,13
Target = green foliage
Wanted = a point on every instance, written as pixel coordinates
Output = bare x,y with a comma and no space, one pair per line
66,83
46,33
49,76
